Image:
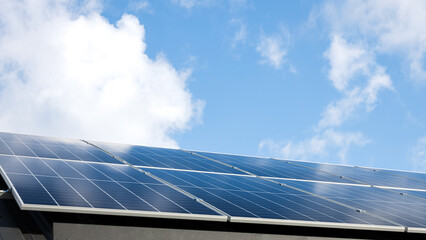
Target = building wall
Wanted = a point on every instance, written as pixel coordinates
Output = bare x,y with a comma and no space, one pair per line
73,231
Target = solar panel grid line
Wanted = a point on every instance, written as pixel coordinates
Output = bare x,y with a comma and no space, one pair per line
163,181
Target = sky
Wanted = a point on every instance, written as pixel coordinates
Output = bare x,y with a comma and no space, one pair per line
326,81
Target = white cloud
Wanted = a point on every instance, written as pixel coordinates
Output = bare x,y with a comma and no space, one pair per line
346,60
241,34
395,27
272,48
356,75
323,144
189,4
186,3
350,62
418,155
72,75
141,6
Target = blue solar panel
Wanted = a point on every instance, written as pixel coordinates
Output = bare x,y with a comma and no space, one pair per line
244,196
35,146
416,176
165,158
364,176
273,168
402,209
59,183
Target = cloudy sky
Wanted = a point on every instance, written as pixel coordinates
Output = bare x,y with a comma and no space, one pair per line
325,81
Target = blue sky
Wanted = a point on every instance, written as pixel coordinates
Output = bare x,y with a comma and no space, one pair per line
326,81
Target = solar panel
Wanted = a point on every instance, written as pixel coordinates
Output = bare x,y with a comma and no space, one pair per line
32,146
247,196
62,185
391,205
416,176
273,168
49,174
364,176
164,158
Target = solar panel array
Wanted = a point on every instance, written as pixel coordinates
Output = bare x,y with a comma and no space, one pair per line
63,175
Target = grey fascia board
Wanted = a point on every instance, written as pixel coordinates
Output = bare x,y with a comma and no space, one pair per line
300,223
416,230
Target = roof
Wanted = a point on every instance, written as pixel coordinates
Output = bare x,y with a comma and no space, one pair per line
85,177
